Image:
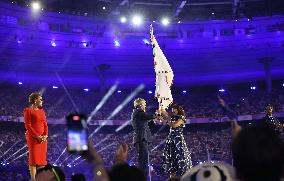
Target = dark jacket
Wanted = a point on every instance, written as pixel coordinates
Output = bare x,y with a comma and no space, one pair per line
139,123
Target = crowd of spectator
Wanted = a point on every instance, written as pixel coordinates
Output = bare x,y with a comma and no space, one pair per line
211,141
197,105
204,144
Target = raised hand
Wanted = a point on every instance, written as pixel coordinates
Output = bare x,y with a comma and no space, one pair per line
121,153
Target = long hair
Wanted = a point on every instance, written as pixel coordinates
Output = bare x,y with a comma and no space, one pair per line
179,109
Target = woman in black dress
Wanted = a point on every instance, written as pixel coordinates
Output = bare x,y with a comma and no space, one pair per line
176,157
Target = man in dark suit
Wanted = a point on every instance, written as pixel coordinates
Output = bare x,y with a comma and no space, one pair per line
271,120
142,134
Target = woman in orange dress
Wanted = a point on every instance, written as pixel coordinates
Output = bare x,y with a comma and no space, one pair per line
36,133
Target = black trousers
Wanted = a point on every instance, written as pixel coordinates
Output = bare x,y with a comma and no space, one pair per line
142,151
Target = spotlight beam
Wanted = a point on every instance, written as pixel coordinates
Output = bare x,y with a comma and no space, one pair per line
106,147
19,156
121,106
122,126
102,102
106,138
75,160
66,91
126,101
10,148
79,162
179,8
60,155
15,153
66,159
158,145
2,142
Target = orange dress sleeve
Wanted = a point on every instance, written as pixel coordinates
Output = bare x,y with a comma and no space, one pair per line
28,125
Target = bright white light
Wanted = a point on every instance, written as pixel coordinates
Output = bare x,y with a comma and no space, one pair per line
53,43
86,90
136,20
54,87
184,91
212,13
20,83
252,87
116,43
146,41
283,84
84,43
178,22
36,6
150,92
104,8
221,90
123,19
119,91
154,21
165,21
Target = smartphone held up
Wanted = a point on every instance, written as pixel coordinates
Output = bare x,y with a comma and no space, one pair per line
77,135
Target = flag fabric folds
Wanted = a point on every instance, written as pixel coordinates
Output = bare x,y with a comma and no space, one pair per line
164,75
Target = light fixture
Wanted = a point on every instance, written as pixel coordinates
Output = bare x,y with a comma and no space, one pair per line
165,21
36,6
137,20
123,19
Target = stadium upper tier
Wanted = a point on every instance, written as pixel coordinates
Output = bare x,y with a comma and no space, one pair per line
200,52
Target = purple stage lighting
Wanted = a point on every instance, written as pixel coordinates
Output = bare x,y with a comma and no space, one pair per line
221,90
116,43
20,83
